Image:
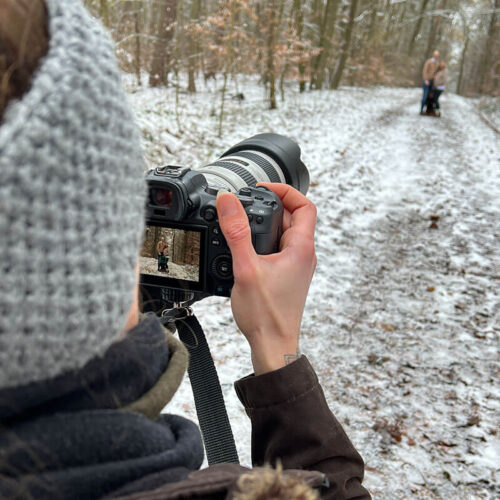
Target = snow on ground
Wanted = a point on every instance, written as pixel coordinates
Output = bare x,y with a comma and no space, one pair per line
490,108
188,272
402,320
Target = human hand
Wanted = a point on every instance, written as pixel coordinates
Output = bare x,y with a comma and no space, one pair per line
426,83
270,291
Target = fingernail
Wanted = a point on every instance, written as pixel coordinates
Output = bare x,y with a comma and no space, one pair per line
227,204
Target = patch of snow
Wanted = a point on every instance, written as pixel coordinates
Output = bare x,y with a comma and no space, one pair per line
402,319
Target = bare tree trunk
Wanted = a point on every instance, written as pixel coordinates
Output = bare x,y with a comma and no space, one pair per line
151,237
137,60
388,27
228,63
462,64
344,51
418,26
314,31
179,247
465,28
373,22
326,33
274,19
431,41
401,31
164,35
486,60
286,65
299,26
193,46
222,99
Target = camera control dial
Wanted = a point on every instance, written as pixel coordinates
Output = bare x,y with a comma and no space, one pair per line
222,266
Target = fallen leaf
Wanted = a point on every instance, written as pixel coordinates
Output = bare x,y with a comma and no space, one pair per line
445,443
473,420
387,327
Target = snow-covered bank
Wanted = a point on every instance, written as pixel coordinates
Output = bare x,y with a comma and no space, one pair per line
402,320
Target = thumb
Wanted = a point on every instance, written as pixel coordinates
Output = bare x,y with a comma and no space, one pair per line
233,222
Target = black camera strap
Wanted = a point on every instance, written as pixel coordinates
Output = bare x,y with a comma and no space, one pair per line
209,401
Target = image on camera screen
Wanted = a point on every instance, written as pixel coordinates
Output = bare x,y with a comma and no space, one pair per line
171,253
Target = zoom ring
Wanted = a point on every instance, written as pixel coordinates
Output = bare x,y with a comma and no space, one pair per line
262,163
242,172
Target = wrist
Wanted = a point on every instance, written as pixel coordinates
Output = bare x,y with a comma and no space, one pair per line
266,359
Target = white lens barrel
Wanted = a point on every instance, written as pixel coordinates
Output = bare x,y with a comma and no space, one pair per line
245,168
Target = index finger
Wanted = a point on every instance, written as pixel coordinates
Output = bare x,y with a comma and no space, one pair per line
302,210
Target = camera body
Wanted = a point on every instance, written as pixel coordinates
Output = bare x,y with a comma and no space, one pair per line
184,256
182,201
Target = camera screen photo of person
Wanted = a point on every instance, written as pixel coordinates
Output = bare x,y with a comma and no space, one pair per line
170,252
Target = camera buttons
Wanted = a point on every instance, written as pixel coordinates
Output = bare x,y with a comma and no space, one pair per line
209,214
250,217
246,201
216,230
260,219
215,242
222,266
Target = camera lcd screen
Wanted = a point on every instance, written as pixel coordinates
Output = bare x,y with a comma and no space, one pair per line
171,253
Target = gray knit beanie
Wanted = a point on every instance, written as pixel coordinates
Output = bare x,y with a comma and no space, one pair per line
71,205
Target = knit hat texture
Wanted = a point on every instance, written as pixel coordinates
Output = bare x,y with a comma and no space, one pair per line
72,198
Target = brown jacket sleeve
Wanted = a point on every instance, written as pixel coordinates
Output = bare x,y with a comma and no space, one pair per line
291,422
429,71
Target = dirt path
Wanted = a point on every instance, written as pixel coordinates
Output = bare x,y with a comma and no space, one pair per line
402,320
413,300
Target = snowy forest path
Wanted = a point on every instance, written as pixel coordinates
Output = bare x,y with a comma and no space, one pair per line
402,317
411,247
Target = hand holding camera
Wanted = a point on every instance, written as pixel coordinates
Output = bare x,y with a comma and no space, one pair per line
240,227
270,291
181,211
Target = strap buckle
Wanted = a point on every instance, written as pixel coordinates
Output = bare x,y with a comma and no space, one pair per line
169,317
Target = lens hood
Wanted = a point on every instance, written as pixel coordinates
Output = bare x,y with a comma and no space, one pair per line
284,151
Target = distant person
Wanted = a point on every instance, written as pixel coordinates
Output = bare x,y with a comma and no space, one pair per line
162,258
431,67
440,83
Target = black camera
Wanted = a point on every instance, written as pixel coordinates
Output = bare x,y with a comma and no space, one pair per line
184,253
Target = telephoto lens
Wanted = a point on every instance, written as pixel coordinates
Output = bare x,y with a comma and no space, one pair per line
261,158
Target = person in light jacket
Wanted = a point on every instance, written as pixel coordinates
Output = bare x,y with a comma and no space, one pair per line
162,248
428,74
83,377
440,81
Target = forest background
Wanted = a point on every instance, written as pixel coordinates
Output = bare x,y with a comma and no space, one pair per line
317,43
